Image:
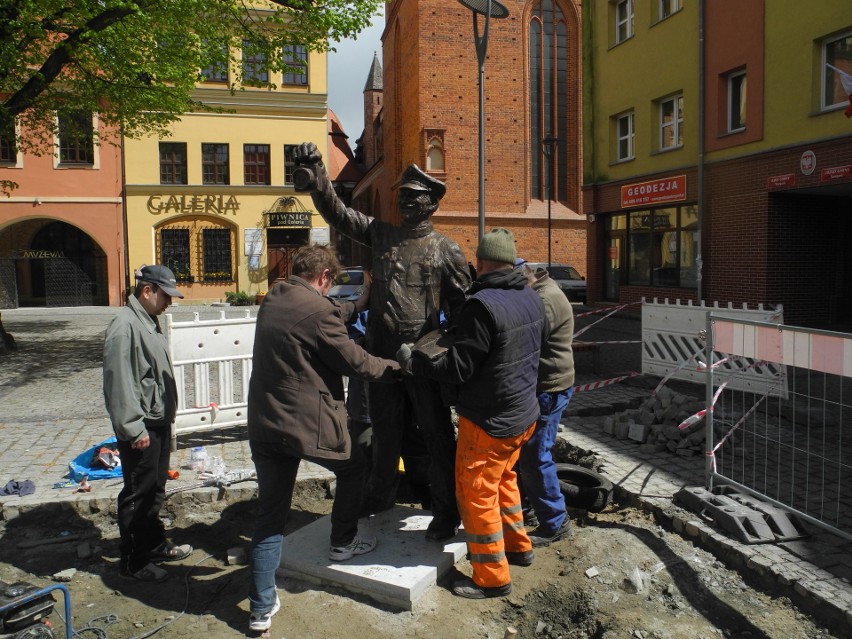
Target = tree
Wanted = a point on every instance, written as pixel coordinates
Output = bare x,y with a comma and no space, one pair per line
137,62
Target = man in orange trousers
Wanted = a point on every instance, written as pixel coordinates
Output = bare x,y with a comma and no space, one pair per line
494,362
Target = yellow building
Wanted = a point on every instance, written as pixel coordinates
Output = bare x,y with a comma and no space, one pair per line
215,199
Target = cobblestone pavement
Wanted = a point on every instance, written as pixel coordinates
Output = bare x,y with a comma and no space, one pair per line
51,410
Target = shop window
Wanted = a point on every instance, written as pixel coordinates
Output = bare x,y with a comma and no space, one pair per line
200,251
296,57
736,101
624,136
217,70
174,252
214,164
289,163
173,163
216,255
255,67
836,55
76,138
662,245
671,122
256,164
623,20
8,144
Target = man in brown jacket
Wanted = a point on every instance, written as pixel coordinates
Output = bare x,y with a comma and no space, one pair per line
296,410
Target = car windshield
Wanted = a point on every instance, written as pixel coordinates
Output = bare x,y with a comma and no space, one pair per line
350,277
564,273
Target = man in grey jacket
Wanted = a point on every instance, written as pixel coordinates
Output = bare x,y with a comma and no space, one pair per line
297,410
539,482
141,398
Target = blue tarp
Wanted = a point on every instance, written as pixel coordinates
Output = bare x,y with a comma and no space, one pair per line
82,466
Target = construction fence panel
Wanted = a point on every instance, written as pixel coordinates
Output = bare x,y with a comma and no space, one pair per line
790,448
212,360
673,345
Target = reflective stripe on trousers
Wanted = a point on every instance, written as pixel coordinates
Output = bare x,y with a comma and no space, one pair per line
489,500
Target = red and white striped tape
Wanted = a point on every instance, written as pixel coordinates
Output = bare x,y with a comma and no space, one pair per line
712,453
598,311
689,421
628,341
606,382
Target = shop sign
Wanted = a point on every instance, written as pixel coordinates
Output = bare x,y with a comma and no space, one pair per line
193,204
807,163
296,219
779,181
671,189
835,173
36,255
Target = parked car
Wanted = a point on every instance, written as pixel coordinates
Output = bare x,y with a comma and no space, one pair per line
349,284
567,278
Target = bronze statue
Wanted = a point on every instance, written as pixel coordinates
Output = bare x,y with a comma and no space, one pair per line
417,273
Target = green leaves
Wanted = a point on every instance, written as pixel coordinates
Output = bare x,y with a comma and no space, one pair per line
137,63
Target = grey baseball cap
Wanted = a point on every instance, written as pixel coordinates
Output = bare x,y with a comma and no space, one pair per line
160,275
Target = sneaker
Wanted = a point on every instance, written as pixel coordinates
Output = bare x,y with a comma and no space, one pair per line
358,546
260,622
541,540
469,590
151,573
520,558
168,551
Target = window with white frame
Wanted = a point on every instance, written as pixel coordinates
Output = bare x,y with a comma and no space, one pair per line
837,59
624,134
671,122
736,101
668,7
8,143
623,20
76,138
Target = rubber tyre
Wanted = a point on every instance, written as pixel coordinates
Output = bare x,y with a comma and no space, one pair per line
584,488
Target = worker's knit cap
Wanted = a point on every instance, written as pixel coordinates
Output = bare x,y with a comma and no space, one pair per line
498,245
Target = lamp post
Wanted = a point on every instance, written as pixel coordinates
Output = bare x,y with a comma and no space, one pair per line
490,9
547,145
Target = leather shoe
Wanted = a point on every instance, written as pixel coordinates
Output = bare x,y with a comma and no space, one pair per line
441,534
520,558
541,540
469,590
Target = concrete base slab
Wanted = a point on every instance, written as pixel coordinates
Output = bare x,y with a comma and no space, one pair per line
398,572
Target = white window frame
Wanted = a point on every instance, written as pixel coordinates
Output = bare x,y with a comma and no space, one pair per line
743,101
629,136
625,22
672,6
676,123
828,75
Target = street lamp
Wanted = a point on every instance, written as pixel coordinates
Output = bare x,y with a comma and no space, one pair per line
547,145
490,9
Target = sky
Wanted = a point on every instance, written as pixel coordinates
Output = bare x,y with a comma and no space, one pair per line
348,68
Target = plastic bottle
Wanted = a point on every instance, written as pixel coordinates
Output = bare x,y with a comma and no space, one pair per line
198,458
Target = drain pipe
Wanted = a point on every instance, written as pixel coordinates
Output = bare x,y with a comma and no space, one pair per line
699,262
124,222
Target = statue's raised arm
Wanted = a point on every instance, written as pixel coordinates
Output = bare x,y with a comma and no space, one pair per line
311,177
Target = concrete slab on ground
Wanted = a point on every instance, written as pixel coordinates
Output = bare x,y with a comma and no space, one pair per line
398,572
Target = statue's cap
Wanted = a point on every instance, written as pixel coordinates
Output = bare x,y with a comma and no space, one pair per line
414,178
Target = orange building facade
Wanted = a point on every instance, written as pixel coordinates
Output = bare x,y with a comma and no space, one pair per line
61,227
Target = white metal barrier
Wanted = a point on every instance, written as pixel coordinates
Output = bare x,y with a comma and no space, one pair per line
793,449
673,345
212,361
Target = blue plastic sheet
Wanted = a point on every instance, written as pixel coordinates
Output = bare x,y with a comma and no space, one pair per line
82,465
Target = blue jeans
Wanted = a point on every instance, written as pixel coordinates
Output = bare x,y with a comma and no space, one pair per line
539,483
276,467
